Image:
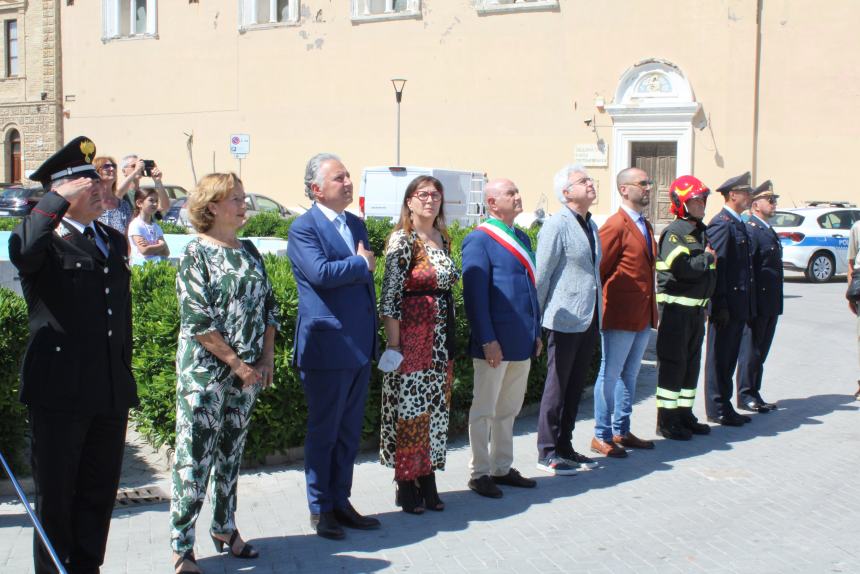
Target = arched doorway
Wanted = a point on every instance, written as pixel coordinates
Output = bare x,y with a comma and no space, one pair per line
652,128
13,156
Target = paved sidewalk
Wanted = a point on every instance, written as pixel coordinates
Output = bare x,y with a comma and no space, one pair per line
778,495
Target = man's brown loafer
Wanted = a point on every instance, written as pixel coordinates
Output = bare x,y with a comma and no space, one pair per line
607,448
630,440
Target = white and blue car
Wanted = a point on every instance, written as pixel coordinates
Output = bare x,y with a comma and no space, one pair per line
815,239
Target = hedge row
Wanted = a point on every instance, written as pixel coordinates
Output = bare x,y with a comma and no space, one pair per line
280,417
13,340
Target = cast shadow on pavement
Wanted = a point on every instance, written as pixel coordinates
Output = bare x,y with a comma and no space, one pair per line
463,507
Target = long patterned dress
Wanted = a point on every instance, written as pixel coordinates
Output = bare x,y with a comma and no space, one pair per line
416,398
225,290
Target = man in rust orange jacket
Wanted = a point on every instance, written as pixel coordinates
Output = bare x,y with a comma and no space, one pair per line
627,273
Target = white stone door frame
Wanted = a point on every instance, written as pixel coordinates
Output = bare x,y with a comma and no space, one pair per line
624,135
653,103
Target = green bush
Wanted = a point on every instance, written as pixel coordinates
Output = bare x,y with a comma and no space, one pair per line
174,228
267,224
280,416
9,223
13,341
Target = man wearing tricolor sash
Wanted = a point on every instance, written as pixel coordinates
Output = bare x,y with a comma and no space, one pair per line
501,304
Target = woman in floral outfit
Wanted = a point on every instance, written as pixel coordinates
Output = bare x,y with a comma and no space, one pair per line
225,357
418,311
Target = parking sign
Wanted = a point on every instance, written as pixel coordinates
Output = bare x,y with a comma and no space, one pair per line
240,145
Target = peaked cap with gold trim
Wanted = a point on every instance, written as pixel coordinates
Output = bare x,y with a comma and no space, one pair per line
75,159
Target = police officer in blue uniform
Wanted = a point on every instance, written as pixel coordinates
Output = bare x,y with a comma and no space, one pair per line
76,377
733,303
767,269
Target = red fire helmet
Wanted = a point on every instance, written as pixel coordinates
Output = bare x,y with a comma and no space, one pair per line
683,190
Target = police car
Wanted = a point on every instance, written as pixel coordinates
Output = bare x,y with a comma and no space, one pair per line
815,238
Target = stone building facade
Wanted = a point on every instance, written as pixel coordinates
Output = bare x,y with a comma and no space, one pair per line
31,126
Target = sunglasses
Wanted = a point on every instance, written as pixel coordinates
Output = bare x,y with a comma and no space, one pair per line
108,166
643,183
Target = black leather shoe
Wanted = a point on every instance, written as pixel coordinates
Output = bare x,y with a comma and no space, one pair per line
753,406
350,518
326,526
729,420
514,478
764,403
484,486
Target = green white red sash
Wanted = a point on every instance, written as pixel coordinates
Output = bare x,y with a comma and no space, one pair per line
509,240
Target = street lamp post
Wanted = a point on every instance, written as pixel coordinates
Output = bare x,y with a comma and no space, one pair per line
398,84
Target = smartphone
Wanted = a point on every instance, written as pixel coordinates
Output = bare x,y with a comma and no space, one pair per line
148,164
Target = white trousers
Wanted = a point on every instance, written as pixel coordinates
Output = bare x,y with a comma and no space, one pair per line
496,400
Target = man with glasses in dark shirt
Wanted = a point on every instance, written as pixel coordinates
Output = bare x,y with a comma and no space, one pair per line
570,299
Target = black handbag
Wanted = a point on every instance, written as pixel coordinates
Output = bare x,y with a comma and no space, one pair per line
853,293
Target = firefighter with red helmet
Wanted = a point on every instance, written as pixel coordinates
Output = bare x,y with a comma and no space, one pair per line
686,276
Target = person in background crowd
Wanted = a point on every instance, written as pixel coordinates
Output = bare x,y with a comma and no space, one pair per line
767,271
335,340
117,211
686,275
501,304
144,234
133,169
630,312
75,379
569,295
854,267
225,357
418,315
733,301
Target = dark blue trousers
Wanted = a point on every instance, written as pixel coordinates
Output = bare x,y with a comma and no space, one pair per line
755,345
335,416
568,360
720,361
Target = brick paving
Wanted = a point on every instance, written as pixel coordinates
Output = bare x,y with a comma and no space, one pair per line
776,496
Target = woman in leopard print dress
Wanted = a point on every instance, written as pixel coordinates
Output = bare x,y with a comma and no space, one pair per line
417,308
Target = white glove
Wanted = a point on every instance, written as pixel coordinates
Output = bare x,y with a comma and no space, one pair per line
389,360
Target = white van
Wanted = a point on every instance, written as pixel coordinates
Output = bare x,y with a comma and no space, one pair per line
382,190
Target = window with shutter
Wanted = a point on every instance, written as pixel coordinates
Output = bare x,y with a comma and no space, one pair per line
489,6
375,10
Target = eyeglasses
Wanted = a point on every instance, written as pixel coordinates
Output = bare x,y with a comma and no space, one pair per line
644,183
108,166
583,181
425,195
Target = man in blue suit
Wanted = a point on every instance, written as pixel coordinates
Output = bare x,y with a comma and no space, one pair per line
501,304
335,340
767,268
733,301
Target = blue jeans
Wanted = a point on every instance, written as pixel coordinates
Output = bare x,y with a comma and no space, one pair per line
616,382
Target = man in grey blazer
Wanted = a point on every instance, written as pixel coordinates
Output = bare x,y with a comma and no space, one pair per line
569,295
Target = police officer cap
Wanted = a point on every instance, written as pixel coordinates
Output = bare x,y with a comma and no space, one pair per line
764,190
738,183
75,159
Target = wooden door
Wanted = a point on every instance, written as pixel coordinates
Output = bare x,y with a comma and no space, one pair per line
13,156
658,159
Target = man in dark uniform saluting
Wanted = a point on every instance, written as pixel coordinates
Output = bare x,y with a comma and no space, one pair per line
767,268
733,301
76,378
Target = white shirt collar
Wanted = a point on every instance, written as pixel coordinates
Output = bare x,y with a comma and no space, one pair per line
634,215
762,221
330,213
733,212
76,224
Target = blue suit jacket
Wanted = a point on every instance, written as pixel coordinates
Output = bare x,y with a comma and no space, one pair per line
501,301
767,266
735,289
336,323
